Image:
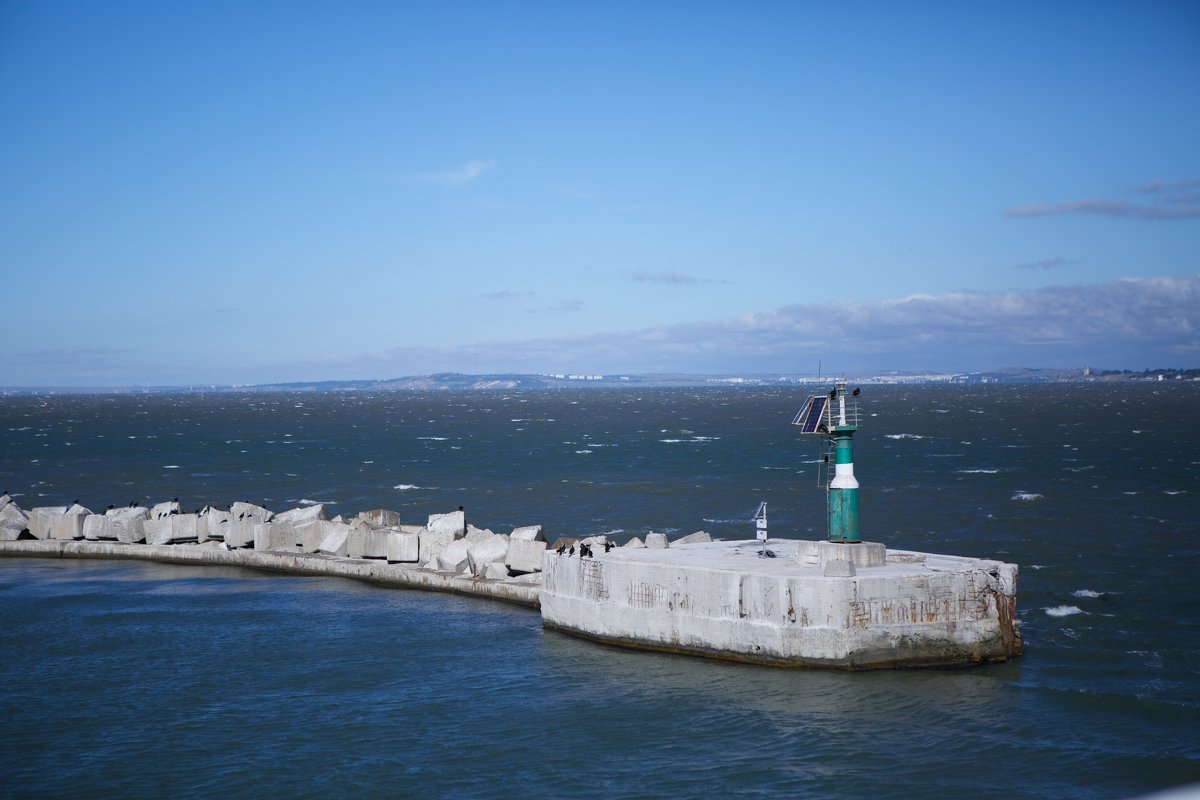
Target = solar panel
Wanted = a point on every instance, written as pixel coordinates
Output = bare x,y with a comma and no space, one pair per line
810,416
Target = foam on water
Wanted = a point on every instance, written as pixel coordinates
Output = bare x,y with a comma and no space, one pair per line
1063,611
1026,497
1087,593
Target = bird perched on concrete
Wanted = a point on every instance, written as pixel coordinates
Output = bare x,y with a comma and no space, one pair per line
571,552
561,549
607,545
585,551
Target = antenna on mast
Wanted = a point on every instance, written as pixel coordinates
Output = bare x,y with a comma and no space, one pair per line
836,416
760,529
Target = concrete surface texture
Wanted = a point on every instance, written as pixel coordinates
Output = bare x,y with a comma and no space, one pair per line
721,599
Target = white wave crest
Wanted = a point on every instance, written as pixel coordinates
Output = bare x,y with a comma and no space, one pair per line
307,502
1026,497
979,471
1087,593
1063,611
404,487
902,436
171,466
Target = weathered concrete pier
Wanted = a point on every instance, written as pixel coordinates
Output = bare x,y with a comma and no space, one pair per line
842,603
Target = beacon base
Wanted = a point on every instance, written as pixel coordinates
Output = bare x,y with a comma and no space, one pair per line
720,600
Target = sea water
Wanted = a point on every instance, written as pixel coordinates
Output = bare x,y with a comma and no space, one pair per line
127,678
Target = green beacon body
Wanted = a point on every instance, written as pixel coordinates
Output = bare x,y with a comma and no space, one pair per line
835,415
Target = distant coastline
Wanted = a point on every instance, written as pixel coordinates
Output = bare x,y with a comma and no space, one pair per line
455,381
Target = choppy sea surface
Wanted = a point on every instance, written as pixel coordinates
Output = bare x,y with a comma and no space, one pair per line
136,679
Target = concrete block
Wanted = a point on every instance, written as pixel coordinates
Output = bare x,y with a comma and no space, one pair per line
524,555
5,500
334,543
432,545
310,533
528,533
298,516
477,534
657,541
177,529
165,509
213,524
635,542
366,543
128,523
694,538
494,570
41,520
67,526
277,536
99,527
417,529
244,511
11,512
10,531
380,518
454,522
403,547
454,557
486,551
596,541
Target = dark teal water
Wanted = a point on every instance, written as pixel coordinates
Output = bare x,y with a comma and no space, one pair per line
149,680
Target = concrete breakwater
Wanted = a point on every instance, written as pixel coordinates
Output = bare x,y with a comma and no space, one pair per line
445,554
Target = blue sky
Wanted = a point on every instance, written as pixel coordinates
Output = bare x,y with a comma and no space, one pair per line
230,192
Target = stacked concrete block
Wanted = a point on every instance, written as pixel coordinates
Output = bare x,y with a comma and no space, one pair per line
454,522
366,543
474,534
524,555
213,524
299,516
454,557
380,518
635,543
597,541
165,509
494,570
276,536
486,551
694,538
433,543
69,525
310,534
528,533
128,523
98,527
335,541
171,529
12,520
41,520
242,519
657,541
403,547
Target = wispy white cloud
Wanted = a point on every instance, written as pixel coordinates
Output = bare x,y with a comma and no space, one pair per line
1168,200
458,176
1054,262
563,306
506,294
671,277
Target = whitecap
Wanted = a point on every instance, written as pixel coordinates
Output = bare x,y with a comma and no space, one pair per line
404,487
307,502
671,441
433,438
902,436
979,471
1087,593
1063,611
1026,497
583,451
368,462
1168,491
171,466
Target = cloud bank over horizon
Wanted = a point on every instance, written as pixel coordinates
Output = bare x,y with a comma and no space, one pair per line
1134,323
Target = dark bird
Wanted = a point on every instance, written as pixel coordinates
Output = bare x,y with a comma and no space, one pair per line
174,499
571,552
110,505
608,546
174,511
856,392
561,549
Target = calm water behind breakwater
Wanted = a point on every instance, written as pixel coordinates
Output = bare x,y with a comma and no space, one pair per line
141,679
